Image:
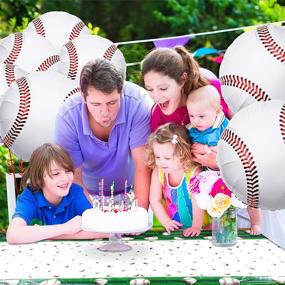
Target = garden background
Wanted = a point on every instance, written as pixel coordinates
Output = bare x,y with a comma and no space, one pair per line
128,20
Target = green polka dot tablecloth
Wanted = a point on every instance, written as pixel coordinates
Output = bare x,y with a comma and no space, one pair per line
159,258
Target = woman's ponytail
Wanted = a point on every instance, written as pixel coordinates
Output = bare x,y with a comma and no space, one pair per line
194,79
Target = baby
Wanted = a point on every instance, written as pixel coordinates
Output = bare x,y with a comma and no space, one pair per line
207,120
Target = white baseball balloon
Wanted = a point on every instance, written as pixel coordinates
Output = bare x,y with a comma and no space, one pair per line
76,53
58,27
251,155
8,74
28,51
29,108
253,68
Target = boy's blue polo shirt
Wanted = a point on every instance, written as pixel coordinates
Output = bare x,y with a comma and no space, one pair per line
35,209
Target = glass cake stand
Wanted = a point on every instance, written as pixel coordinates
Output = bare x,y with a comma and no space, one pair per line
115,242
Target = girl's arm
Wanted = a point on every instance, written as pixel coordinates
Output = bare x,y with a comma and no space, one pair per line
19,232
156,205
198,217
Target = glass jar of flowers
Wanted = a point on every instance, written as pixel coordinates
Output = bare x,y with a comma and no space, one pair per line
213,195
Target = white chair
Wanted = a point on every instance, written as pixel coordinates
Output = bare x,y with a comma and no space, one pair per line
11,194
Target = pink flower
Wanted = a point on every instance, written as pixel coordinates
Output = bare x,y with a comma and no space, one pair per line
220,187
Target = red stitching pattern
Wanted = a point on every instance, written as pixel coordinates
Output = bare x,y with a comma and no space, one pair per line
39,27
270,44
73,60
47,63
248,164
110,52
282,122
17,47
23,113
244,84
76,30
72,92
10,74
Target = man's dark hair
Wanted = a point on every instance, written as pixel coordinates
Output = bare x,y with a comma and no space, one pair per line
102,75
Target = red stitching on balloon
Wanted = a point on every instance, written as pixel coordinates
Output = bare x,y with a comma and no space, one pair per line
40,29
282,122
10,74
110,52
73,60
270,44
249,166
47,63
17,47
76,30
23,112
244,84
72,92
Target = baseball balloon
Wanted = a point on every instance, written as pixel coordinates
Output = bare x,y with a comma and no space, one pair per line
253,68
76,53
28,51
29,108
58,28
8,74
251,155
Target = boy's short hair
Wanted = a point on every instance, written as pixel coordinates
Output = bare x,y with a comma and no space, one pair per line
102,75
40,162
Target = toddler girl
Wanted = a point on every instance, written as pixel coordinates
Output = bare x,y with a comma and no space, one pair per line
168,154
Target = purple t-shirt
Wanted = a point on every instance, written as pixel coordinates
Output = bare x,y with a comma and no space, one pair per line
99,159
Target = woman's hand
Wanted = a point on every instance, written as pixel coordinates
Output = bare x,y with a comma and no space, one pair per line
198,148
208,159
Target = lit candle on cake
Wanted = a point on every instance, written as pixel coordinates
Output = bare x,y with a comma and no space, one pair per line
111,203
126,196
101,194
99,198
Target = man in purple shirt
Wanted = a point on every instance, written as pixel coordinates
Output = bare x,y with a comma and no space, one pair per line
105,131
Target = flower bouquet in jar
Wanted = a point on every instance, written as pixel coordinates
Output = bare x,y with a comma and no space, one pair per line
215,197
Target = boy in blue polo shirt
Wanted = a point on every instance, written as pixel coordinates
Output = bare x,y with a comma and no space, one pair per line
49,199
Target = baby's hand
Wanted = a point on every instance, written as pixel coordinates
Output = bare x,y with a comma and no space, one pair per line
255,230
73,226
171,225
192,232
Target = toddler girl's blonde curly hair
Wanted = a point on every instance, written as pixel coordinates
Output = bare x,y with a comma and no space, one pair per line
176,135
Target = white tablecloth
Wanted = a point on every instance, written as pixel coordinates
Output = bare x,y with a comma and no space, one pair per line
178,257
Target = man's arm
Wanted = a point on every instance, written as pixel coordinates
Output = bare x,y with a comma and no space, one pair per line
141,176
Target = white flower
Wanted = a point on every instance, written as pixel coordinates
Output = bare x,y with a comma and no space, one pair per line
215,212
203,200
236,202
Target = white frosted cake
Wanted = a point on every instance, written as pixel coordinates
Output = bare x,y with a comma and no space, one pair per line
131,220
109,217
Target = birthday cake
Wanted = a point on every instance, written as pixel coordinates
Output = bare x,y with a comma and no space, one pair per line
121,218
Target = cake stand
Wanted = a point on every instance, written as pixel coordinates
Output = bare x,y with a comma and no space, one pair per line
115,242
